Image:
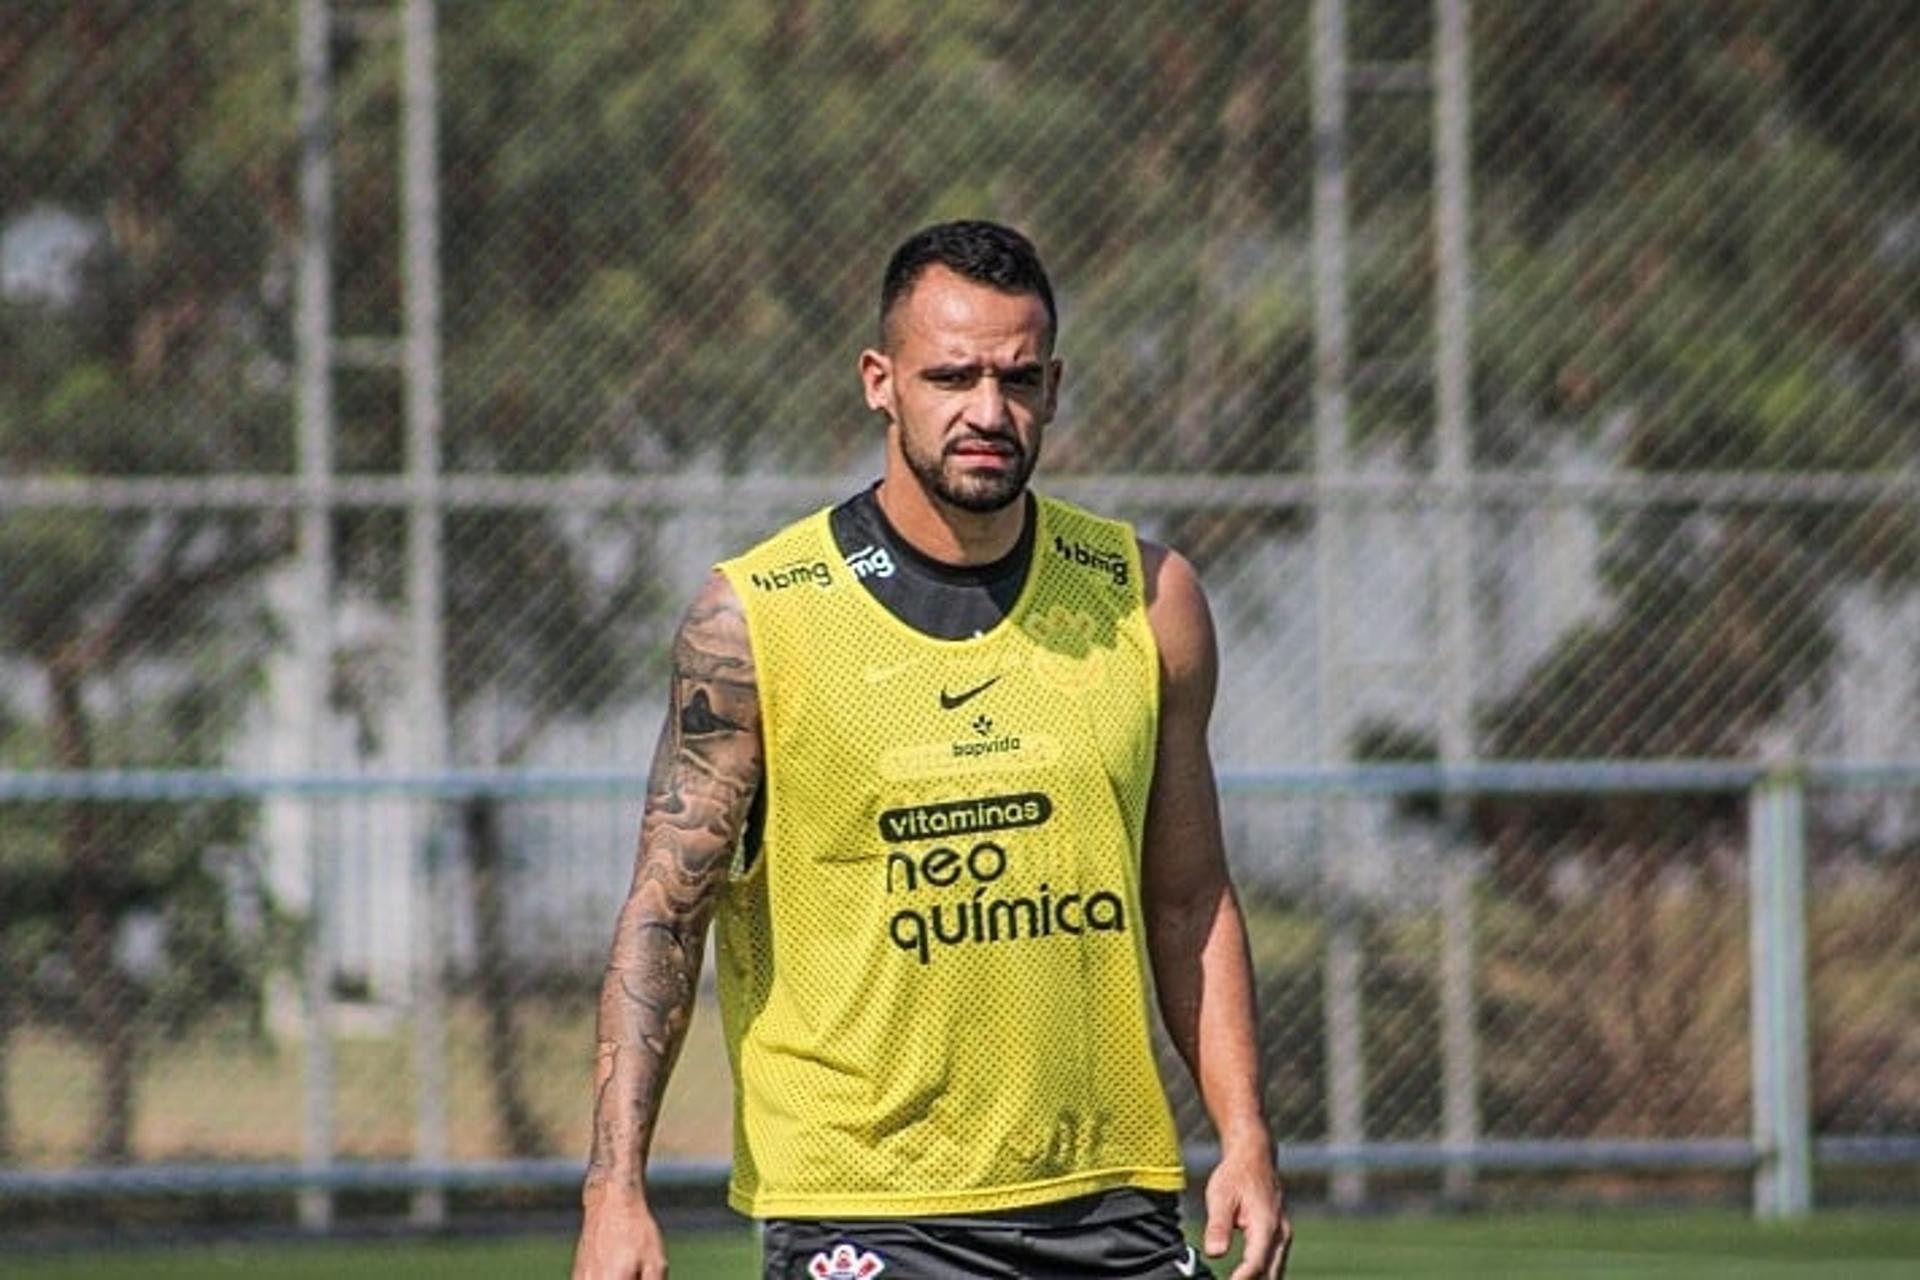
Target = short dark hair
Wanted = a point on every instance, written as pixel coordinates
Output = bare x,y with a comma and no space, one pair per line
984,252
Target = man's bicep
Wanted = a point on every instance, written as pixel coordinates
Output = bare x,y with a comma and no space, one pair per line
1182,623
1183,823
1184,859
708,764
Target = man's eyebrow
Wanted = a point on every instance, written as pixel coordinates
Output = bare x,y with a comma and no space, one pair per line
975,368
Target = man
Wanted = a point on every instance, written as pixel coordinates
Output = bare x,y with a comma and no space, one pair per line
936,763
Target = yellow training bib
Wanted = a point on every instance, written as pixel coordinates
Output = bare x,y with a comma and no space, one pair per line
933,975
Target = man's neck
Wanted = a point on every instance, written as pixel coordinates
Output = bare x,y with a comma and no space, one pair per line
942,531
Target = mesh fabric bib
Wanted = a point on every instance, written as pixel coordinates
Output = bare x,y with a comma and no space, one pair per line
933,976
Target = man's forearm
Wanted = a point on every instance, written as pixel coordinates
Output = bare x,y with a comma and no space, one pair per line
1206,996
1230,1052
646,1004
653,973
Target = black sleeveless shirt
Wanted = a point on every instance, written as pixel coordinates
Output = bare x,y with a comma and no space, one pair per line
949,601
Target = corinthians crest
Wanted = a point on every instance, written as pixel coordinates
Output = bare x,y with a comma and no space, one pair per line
846,1262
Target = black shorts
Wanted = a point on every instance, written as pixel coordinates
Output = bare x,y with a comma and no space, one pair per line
1135,1236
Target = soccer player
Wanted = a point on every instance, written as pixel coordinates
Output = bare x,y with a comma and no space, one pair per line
936,767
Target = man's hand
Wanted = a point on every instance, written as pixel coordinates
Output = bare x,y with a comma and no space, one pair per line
1244,1195
619,1239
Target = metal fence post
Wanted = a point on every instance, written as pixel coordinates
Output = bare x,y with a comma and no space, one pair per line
1459,1024
1346,1085
1782,1137
1346,1047
426,577
314,431
1453,428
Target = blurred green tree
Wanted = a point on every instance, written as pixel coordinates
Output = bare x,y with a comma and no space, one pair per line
131,165
1686,223
662,225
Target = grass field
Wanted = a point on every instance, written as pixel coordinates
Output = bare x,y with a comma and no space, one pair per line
1615,1243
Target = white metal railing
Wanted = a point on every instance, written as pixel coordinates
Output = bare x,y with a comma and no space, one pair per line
1139,492
1781,1151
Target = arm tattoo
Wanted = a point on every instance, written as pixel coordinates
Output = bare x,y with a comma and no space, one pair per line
698,718
706,770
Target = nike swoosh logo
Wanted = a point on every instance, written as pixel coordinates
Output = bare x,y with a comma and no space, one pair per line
1189,1265
948,701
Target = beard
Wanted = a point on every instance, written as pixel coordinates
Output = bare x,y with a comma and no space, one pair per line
978,492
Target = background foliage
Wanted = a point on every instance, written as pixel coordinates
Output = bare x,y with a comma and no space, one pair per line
1696,242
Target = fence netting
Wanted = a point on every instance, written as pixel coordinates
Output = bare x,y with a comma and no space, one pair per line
1685,525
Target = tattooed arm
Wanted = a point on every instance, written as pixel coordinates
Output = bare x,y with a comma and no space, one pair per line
706,770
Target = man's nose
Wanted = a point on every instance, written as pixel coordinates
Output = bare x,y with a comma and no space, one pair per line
987,407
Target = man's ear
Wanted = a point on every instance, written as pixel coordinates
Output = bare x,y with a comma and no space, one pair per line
876,379
1056,370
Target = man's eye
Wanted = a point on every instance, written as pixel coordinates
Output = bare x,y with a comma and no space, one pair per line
949,378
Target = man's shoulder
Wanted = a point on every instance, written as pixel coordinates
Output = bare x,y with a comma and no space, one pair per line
800,554
1061,510
1088,540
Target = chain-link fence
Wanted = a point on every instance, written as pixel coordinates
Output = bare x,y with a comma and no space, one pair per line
1531,383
